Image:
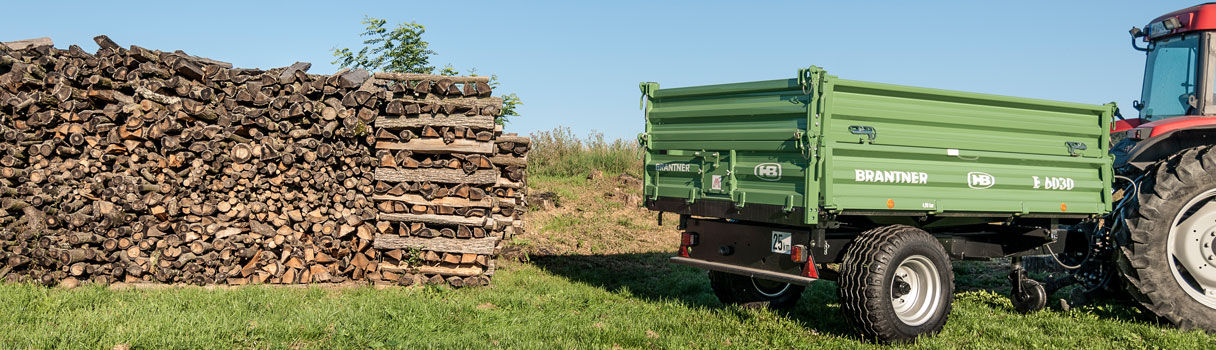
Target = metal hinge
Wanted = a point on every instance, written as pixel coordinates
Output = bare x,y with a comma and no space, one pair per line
806,79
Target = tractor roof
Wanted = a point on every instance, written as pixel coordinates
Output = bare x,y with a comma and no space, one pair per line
1194,18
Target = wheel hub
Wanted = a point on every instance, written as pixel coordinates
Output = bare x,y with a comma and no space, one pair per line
1192,248
916,290
900,288
1210,253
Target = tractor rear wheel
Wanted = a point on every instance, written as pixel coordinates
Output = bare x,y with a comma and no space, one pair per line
896,283
1167,255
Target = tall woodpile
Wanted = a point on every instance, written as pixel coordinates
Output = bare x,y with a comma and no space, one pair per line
448,186
138,165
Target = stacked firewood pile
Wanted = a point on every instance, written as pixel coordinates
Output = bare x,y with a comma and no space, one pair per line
136,165
448,184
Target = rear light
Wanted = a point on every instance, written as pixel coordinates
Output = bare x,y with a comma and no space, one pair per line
689,239
798,253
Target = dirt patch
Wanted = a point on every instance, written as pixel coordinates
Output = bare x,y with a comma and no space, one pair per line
592,215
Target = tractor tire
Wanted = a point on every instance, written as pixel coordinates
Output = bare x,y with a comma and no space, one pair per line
1167,254
896,283
752,292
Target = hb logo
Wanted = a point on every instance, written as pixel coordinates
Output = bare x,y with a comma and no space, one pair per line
768,171
979,181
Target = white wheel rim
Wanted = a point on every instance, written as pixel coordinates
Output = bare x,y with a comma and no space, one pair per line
1191,251
924,290
771,289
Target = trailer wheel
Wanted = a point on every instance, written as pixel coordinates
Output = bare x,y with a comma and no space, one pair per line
750,291
1167,255
896,283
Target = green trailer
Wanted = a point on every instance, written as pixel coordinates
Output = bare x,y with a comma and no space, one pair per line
774,180
780,183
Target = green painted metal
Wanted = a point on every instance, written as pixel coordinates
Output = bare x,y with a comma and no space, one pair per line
831,145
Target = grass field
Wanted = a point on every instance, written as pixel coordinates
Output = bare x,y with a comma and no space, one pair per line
589,273
568,302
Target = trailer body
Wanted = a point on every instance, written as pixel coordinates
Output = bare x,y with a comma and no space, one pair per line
798,151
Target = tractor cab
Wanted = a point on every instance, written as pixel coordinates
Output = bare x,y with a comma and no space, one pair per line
1177,105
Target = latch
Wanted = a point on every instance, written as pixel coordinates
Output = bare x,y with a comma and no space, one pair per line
864,130
803,143
1074,146
648,89
704,155
806,79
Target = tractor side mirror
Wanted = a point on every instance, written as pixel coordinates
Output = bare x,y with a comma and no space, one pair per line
1136,33
1137,105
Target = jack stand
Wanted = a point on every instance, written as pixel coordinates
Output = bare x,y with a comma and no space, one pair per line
1027,295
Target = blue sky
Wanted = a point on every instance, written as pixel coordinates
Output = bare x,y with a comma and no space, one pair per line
578,64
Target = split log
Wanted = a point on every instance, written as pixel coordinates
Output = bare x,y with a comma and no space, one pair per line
439,219
438,120
447,201
437,175
437,146
28,43
415,77
483,246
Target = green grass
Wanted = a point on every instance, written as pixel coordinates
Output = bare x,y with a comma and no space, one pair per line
564,302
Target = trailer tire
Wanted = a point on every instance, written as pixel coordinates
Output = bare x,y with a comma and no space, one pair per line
1150,256
749,291
870,292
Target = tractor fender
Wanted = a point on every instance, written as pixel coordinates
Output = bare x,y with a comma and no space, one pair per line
1144,153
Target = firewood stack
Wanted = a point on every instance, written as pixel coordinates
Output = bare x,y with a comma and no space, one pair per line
137,165
449,184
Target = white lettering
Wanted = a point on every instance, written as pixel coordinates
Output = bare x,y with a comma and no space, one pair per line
683,167
890,176
1054,183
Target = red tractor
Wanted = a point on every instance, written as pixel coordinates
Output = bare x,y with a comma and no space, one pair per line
1163,240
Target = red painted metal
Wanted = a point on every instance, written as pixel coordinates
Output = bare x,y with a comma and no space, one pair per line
1194,18
1163,126
1125,125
